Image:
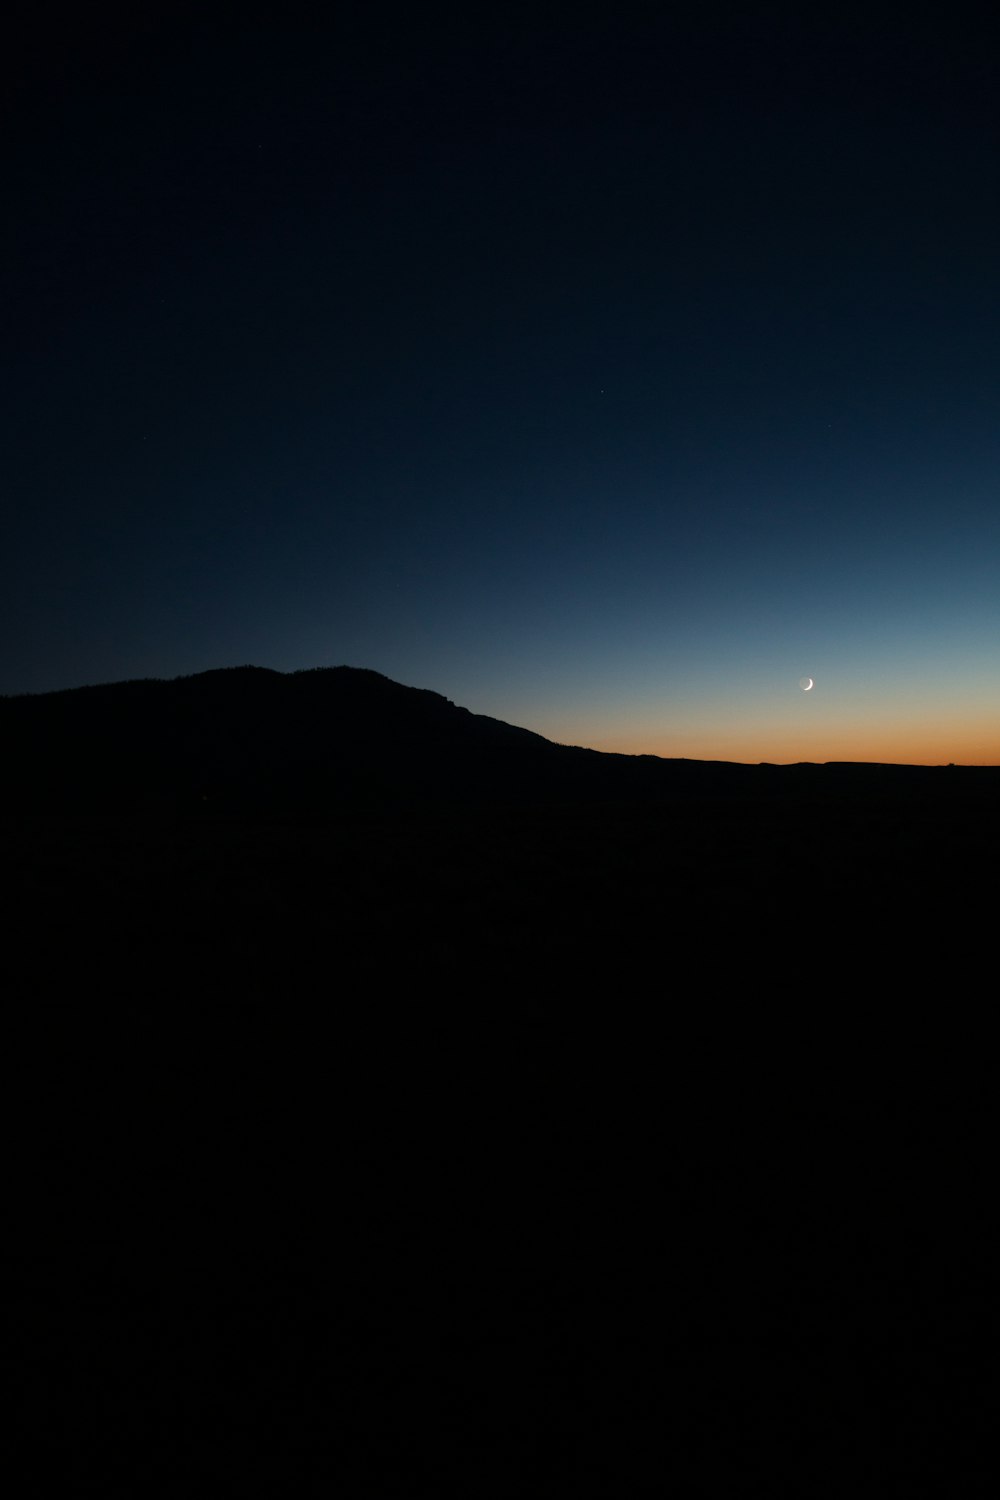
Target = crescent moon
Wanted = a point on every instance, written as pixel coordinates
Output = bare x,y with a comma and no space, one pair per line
806,684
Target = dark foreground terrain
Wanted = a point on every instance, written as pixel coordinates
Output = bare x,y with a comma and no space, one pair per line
398,1102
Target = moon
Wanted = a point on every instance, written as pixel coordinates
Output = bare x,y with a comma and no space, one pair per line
806,684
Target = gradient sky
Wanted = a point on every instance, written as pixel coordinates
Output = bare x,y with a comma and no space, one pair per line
606,369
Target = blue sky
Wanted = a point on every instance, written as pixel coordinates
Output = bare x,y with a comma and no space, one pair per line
606,379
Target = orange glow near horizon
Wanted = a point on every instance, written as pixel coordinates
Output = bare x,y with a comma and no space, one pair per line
971,743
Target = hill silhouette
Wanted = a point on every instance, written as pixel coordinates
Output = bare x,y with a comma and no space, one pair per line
401,1098
238,800
247,738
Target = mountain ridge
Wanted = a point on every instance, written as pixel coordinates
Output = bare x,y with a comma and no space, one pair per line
246,739
344,679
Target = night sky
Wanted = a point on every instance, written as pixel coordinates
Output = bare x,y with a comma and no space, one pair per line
607,370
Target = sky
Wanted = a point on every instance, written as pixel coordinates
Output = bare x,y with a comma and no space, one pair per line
607,369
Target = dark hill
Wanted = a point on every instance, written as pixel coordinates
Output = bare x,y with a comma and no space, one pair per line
245,738
396,1096
259,815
